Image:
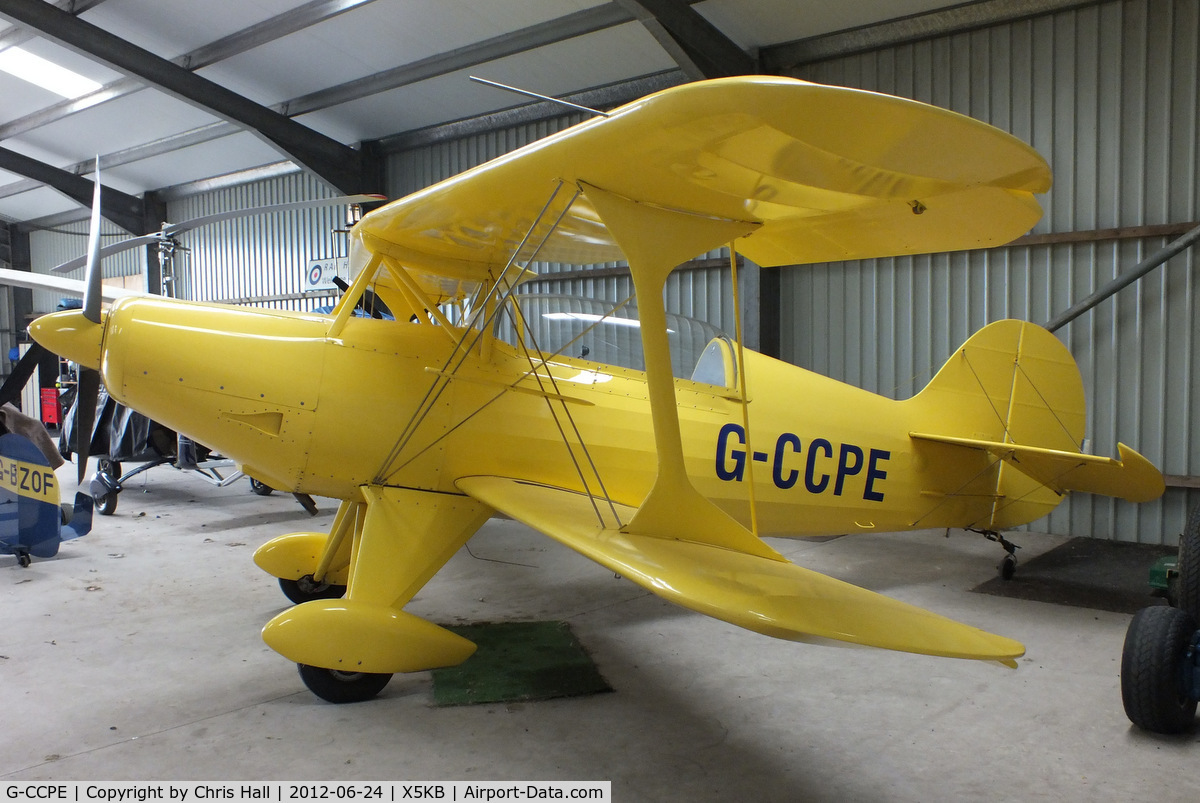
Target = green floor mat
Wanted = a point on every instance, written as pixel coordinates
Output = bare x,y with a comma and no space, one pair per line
518,661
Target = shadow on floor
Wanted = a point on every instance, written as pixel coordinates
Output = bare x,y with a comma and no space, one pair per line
1085,573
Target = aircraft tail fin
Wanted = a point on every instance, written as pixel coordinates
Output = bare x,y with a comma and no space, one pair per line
1005,419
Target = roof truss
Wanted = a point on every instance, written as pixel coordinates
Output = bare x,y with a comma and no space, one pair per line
343,167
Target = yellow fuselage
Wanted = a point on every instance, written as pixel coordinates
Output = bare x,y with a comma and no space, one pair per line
306,412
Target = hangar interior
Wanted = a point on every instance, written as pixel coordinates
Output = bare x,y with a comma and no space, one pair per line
196,109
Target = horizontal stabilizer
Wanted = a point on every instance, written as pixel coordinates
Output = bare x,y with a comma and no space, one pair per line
768,596
1133,477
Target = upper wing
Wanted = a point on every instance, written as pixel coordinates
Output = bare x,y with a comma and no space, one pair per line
769,596
824,173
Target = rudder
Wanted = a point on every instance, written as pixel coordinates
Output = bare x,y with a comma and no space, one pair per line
1008,411
1012,383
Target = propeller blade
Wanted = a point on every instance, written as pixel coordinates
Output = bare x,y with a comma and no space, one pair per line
86,397
171,229
10,391
106,251
195,223
91,295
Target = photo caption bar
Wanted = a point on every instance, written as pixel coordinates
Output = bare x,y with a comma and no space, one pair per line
287,792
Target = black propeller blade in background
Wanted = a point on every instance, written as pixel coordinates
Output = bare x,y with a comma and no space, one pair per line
85,417
10,391
369,303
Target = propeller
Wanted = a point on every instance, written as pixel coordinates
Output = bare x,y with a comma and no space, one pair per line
165,237
88,391
370,303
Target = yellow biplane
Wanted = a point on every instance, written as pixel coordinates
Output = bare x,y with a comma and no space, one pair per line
667,474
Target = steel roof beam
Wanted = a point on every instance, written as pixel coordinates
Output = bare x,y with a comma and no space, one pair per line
341,166
913,28
267,31
124,210
700,49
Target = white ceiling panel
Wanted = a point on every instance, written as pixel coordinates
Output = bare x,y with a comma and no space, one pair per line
558,69
376,37
215,158
35,204
271,52
136,119
170,28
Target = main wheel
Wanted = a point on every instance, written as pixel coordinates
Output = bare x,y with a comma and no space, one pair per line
1188,566
260,488
307,589
1152,667
335,686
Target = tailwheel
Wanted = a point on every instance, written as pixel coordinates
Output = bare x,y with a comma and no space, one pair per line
307,589
23,559
1008,565
336,686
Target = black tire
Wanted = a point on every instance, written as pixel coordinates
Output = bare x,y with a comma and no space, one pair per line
1188,566
106,505
260,488
1152,681
338,687
306,590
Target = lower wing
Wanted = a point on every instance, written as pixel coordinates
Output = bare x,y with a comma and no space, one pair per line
773,597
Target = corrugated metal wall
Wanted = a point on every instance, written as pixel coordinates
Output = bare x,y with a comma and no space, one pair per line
260,259
1110,94
51,247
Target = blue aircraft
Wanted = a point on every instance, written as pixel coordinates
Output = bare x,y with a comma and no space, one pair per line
32,523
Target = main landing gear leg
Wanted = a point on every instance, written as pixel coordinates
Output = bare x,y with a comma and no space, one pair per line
347,649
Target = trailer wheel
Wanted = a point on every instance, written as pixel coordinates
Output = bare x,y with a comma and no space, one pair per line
1188,566
106,505
1152,670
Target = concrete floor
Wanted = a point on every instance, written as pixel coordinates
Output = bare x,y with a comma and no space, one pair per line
135,655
